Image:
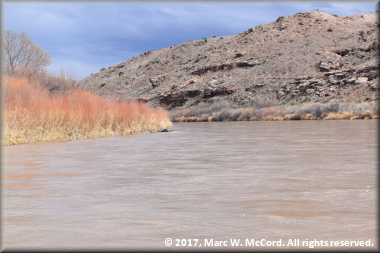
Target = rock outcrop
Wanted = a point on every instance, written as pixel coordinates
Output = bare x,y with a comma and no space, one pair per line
330,61
305,57
158,80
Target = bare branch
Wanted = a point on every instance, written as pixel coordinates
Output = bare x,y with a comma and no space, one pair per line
20,51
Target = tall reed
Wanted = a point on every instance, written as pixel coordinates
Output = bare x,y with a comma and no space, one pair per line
33,114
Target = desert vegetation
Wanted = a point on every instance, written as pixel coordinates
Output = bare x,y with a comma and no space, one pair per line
41,106
32,114
258,109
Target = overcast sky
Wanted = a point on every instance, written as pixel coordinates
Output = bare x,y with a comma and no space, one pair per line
88,36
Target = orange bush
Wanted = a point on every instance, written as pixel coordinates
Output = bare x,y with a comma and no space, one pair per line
32,114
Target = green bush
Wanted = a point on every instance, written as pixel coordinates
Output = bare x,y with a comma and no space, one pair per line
205,39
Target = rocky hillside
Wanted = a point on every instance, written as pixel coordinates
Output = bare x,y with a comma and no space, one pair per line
311,56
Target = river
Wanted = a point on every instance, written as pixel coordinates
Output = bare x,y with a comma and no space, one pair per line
307,180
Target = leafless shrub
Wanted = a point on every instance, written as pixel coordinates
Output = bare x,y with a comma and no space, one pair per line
291,110
333,110
260,103
235,115
20,52
333,106
178,114
223,115
26,60
315,109
220,105
352,107
246,114
54,82
204,117
202,108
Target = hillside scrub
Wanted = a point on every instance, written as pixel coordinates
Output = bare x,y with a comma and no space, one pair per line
33,114
55,82
293,58
222,110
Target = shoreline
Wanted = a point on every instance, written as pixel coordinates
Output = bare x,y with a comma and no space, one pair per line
264,111
289,117
88,138
26,141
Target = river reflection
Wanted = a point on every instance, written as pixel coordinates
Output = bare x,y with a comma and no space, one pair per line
212,180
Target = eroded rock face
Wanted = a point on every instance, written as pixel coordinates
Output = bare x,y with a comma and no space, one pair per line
211,92
361,80
283,60
225,65
330,61
158,80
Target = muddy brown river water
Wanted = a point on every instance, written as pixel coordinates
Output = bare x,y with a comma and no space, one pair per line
211,181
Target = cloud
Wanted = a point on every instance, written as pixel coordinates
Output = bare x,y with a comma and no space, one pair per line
95,35
322,5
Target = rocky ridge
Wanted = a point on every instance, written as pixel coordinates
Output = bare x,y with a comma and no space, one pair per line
311,56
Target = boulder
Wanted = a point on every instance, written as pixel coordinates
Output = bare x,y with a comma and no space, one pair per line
259,85
341,75
330,61
361,80
305,86
281,93
240,54
283,26
373,85
280,18
158,80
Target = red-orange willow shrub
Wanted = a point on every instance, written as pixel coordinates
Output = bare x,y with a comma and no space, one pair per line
32,114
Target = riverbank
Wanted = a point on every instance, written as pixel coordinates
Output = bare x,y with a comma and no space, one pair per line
261,110
31,114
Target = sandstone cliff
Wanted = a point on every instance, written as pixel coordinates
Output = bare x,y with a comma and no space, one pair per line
303,57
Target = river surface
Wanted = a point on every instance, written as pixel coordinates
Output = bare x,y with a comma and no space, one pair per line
307,180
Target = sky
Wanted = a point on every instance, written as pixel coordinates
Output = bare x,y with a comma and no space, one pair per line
87,36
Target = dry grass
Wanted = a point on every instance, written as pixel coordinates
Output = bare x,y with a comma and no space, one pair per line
33,114
292,117
334,110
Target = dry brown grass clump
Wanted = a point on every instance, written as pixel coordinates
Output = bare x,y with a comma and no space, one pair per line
272,118
32,114
292,117
254,118
308,116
